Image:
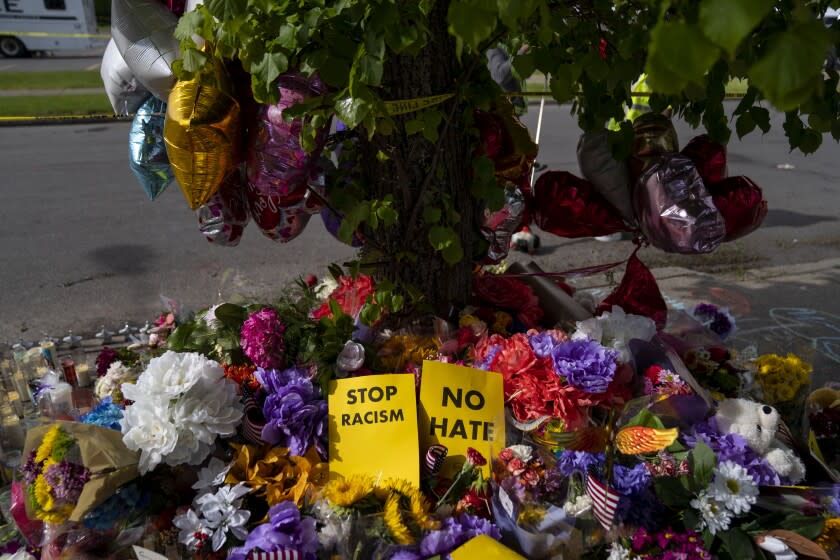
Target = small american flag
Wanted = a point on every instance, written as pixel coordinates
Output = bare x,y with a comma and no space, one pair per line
276,555
253,422
604,501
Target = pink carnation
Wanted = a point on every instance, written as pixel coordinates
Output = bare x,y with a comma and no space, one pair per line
262,339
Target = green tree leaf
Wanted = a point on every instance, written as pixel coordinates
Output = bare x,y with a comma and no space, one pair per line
270,67
431,215
352,110
790,71
679,54
442,237
472,22
761,117
744,124
454,253
727,23
226,9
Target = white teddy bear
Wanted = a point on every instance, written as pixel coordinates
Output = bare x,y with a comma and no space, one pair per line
757,423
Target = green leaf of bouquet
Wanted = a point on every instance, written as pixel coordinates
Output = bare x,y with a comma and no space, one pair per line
231,315
646,418
809,526
790,72
737,543
727,23
679,53
672,493
473,22
701,462
180,337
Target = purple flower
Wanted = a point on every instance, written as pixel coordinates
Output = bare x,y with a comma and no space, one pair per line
491,355
31,469
641,509
733,447
716,319
585,364
630,480
106,357
542,344
285,530
454,532
67,480
295,413
262,339
834,504
570,462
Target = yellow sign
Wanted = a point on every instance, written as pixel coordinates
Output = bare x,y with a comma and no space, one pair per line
461,407
373,427
486,548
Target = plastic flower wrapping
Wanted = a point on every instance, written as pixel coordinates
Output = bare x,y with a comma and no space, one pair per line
622,439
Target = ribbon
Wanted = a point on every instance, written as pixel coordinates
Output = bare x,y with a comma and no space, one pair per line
403,106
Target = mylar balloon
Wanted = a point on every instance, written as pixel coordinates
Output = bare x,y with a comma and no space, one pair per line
203,134
638,294
124,92
278,168
499,226
223,219
654,135
708,157
608,175
506,141
741,203
568,206
147,150
143,31
674,209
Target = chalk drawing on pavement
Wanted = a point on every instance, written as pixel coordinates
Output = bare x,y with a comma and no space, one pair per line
819,328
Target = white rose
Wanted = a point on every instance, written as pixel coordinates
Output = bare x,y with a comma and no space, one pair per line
352,356
146,428
173,373
615,329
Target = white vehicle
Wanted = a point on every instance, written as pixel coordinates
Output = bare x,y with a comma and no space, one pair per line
47,25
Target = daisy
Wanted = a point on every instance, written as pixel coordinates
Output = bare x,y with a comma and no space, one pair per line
733,487
618,552
715,516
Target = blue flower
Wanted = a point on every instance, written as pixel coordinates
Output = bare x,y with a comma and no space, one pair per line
570,462
295,413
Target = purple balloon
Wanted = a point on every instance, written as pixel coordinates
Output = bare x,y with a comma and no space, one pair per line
675,210
278,168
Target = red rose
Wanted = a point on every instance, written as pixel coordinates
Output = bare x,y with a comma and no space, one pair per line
350,294
509,293
515,355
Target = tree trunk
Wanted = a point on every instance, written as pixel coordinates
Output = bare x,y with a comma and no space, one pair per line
411,159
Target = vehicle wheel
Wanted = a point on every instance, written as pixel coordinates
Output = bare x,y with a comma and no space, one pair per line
11,47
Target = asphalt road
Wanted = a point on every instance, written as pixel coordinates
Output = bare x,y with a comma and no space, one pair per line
81,246
74,60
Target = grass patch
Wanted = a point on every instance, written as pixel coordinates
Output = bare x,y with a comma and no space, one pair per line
67,79
37,105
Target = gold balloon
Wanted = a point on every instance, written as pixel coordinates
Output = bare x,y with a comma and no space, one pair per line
518,162
654,135
203,133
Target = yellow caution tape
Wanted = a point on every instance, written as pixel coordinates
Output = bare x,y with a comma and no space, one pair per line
403,106
46,34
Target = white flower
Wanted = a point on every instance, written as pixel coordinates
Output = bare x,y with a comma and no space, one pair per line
614,329
191,528
776,547
522,452
146,428
222,513
109,384
325,287
618,552
733,487
212,475
580,505
210,317
335,528
174,373
715,516
191,398
351,357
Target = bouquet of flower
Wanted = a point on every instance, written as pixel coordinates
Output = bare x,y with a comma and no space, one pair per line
70,468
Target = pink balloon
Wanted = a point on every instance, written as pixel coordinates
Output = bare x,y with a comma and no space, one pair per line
278,168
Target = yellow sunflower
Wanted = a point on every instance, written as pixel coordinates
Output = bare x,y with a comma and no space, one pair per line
394,521
830,537
347,491
420,506
46,447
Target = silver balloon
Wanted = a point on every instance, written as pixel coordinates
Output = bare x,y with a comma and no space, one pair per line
124,92
147,150
608,175
143,31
